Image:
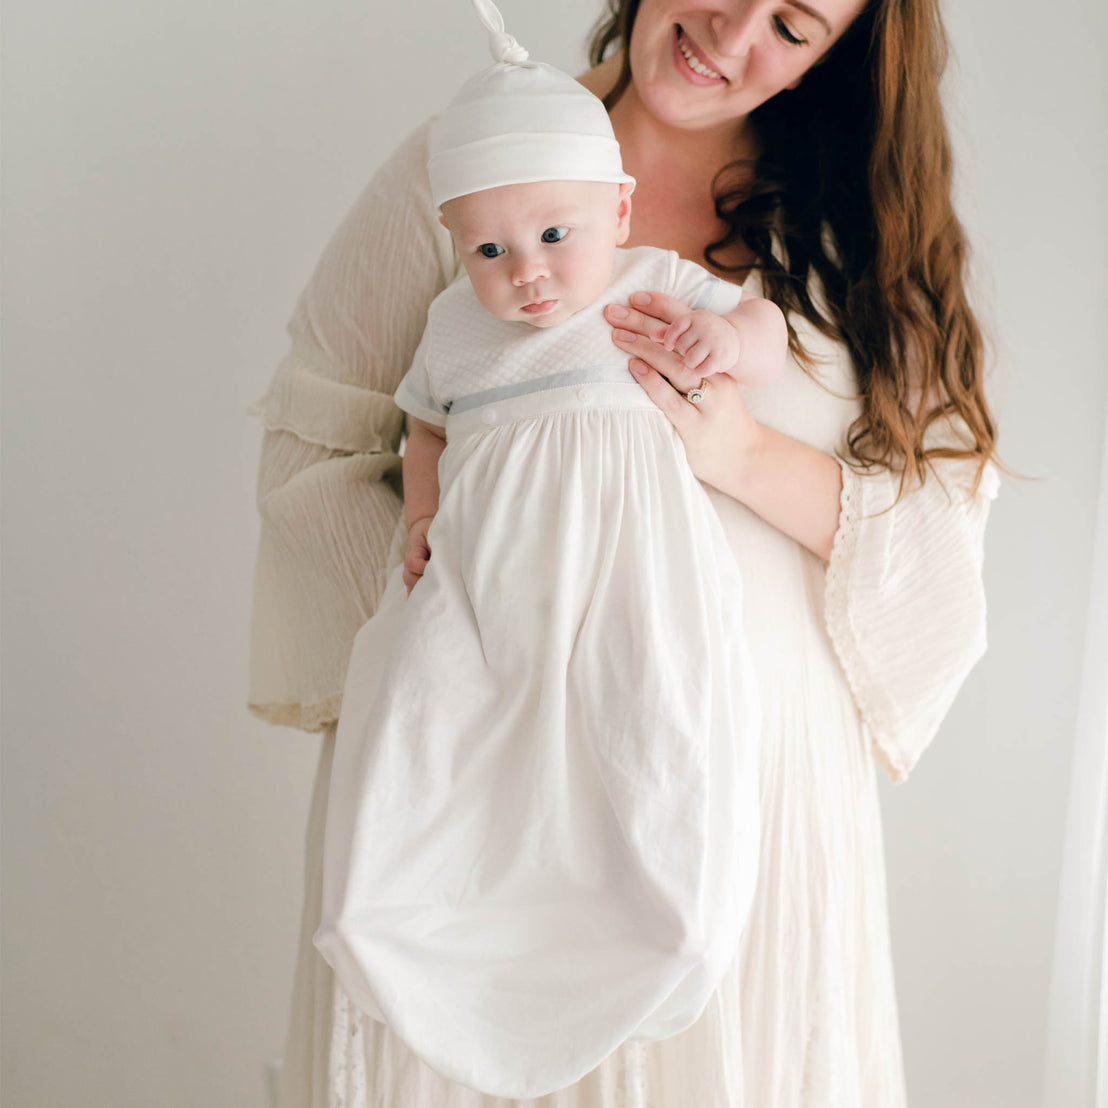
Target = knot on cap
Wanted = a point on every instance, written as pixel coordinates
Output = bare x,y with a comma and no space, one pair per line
505,48
519,121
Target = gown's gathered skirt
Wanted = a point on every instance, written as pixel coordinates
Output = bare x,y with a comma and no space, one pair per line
542,833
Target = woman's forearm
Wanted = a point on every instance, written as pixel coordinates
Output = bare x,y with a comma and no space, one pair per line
421,471
791,485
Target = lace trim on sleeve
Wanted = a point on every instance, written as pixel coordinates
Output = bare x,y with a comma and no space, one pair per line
842,633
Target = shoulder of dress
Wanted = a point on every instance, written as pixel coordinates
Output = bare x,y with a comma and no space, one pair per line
458,296
645,266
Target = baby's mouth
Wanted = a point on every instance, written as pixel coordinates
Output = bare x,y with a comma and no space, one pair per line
539,307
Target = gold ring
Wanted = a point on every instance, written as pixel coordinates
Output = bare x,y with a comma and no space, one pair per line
694,396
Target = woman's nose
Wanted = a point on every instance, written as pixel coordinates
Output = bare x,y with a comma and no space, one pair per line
734,28
529,268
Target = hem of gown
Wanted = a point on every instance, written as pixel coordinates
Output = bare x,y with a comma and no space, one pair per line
837,621
311,717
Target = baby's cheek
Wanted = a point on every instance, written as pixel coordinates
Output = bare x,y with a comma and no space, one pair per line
588,291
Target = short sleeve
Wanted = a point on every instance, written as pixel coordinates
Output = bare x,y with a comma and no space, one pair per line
416,394
694,285
328,483
905,603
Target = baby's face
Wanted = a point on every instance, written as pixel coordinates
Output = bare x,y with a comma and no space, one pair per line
538,253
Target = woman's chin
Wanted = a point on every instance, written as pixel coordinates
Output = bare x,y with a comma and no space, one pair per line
675,108
677,104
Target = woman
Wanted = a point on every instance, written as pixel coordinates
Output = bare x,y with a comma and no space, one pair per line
799,148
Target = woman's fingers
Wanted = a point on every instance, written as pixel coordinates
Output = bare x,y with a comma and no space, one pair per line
628,319
656,328
667,362
650,313
659,305
677,409
713,431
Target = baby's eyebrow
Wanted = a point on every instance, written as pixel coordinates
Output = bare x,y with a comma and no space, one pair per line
475,238
552,218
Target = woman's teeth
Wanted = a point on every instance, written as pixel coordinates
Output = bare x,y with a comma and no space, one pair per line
695,64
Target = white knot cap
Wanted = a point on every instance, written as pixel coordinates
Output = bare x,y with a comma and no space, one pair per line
503,46
505,49
519,121
512,124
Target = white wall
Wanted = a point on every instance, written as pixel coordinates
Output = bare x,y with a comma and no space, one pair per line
171,173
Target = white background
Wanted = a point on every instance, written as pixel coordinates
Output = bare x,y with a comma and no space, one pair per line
171,173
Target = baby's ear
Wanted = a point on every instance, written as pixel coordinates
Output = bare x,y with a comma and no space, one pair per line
623,212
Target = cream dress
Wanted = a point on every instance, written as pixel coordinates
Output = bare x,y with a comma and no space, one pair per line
857,663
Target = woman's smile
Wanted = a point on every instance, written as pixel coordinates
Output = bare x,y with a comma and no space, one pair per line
691,62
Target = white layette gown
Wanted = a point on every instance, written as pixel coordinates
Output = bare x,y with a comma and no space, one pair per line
542,834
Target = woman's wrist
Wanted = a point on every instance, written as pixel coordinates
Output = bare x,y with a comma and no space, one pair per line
749,456
738,474
790,484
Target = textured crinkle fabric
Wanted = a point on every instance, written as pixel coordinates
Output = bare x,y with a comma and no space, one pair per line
328,487
882,581
805,1016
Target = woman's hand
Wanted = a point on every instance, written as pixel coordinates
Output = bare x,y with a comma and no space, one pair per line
720,436
793,486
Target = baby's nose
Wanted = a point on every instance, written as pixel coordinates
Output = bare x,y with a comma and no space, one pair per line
529,269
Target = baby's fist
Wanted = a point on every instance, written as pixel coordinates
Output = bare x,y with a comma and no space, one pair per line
706,342
417,553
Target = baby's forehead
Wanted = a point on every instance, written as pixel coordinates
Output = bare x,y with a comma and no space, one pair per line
528,203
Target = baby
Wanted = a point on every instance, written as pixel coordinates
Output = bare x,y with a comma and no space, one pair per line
542,831
537,254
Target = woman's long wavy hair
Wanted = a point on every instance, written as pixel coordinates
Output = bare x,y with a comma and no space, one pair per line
853,179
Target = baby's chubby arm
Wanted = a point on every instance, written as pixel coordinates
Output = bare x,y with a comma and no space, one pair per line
426,443
749,342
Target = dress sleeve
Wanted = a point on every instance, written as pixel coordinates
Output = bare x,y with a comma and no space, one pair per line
328,484
695,286
416,396
904,602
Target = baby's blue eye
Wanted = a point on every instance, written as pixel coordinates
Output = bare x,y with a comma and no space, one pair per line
490,249
554,234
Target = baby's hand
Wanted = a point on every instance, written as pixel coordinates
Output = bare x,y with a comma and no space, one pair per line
707,342
418,552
